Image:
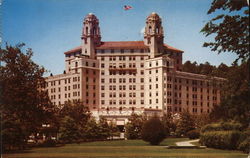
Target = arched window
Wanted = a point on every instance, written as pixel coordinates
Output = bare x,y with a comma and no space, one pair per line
87,30
150,29
76,64
157,30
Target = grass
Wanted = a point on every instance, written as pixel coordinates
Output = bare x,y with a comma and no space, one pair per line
124,149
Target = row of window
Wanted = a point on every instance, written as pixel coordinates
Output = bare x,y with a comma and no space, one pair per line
75,86
66,95
66,81
123,58
85,63
123,87
121,102
194,103
179,109
122,65
121,50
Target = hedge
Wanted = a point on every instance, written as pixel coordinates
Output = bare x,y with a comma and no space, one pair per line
221,139
193,134
245,145
223,126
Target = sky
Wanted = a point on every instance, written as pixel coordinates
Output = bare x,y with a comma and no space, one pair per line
52,27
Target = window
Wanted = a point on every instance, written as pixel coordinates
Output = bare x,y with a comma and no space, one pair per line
142,94
103,80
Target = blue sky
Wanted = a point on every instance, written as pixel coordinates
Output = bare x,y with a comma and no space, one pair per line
51,27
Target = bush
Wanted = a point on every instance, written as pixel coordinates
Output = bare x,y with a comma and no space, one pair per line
153,131
49,143
223,126
221,139
245,145
193,134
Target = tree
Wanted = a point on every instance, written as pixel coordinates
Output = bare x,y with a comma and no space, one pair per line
185,124
104,129
77,111
73,112
69,131
134,126
231,29
169,124
23,103
235,97
153,131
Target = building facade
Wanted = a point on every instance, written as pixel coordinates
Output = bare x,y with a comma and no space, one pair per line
116,79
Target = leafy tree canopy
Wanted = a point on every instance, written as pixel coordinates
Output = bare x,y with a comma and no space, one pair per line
230,27
23,102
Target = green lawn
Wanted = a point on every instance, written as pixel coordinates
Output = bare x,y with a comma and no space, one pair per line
124,149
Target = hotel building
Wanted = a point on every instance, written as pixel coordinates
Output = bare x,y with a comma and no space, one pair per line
118,78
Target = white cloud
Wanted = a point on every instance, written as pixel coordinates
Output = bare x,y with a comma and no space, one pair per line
142,31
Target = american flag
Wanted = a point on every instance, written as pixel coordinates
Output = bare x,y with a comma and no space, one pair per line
127,7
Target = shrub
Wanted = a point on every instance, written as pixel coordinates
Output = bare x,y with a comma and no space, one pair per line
49,143
153,131
221,139
193,134
223,126
245,145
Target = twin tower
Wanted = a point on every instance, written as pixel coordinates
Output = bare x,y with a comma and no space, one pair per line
153,35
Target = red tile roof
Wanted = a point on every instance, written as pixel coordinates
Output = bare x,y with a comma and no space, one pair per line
172,48
77,49
123,45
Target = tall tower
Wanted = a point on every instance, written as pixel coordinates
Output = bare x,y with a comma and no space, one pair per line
153,36
91,35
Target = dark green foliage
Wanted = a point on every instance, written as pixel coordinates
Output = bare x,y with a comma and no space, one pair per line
231,29
153,131
134,127
14,133
221,139
69,131
222,126
72,119
245,145
22,101
235,92
193,134
169,124
49,143
104,129
185,124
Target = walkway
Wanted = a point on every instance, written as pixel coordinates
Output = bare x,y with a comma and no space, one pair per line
186,143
